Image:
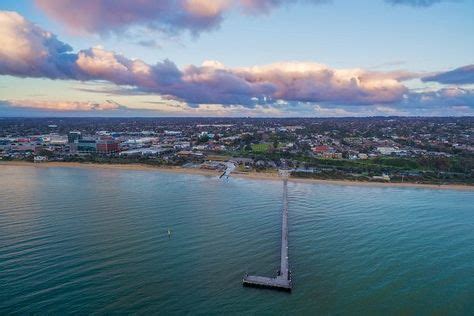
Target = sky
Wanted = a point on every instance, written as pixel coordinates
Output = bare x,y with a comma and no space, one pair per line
239,58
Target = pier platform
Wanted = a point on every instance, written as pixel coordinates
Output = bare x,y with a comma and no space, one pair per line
277,283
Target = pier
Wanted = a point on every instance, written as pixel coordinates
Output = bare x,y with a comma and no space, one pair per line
283,280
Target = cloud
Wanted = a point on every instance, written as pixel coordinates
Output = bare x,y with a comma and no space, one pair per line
167,16
213,83
285,87
462,75
445,97
29,51
416,3
107,108
63,106
171,16
49,108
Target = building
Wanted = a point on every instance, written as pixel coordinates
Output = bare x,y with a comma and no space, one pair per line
86,145
23,147
40,159
190,154
387,150
383,177
321,149
5,144
107,146
72,137
172,133
331,155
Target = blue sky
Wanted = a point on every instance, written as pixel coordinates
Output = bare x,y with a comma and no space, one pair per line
375,36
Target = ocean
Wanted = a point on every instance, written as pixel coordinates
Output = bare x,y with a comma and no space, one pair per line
84,240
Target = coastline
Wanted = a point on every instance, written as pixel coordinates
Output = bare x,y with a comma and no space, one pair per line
236,174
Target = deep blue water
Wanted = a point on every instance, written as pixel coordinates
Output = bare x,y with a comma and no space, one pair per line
82,240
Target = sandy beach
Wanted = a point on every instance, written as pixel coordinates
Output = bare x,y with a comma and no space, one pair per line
247,175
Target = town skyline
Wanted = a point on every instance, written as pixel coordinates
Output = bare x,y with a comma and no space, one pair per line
245,58
416,150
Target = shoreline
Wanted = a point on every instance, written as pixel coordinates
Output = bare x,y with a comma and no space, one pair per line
236,174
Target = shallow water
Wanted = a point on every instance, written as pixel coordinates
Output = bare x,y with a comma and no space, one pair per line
89,240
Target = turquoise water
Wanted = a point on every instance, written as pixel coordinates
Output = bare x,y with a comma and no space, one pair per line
83,240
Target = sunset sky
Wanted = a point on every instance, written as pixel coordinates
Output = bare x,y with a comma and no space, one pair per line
236,58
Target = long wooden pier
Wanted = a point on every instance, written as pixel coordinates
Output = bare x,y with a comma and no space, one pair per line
283,280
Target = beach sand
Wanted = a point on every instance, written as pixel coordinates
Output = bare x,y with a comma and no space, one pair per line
248,175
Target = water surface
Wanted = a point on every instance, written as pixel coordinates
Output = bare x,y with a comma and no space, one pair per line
84,240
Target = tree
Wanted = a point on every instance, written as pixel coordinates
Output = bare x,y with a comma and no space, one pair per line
45,152
203,139
275,143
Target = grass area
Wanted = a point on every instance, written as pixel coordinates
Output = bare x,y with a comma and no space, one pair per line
260,148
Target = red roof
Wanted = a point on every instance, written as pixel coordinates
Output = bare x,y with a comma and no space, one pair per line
321,149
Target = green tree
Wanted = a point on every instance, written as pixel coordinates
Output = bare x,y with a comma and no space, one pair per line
275,143
203,139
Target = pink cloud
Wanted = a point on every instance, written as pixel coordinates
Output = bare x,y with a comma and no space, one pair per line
64,106
33,52
28,50
103,16
195,16
214,83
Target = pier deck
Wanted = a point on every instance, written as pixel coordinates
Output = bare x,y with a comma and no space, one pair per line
283,280
277,283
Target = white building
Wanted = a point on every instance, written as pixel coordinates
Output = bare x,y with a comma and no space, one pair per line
387,150
40,159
